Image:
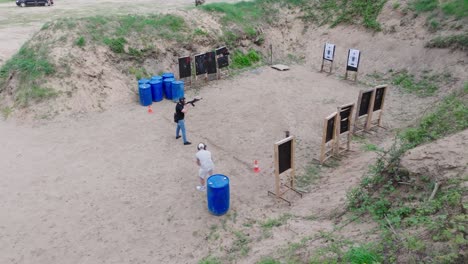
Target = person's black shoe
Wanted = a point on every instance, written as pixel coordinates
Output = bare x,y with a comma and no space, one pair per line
177,137
187,143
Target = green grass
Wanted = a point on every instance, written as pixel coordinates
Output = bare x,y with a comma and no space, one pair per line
450,116
425,84
457,8
210,260
309,177
453,41
29,66
241,60
268,260
270,223
80,42
117,45
240,245
424,5
362,254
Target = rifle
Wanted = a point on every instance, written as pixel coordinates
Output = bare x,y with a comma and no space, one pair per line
192,102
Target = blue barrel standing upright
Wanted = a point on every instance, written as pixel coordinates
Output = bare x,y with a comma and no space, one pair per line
143,81
167,84
167,75
156,89
177,90
144,90
218,194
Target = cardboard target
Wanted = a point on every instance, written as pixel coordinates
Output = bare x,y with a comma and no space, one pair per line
330,129
379,97
210,58
353,60
284,152
222,51
345,118
185,67
365,101
329,51
200,64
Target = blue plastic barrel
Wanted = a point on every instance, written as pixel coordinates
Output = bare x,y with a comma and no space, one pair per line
177,90
167,75
167,85
218,194
143,81
157,77
156,89
144,90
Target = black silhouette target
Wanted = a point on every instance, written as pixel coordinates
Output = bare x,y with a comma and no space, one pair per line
365,101
285,156
222,57
379,96
210,58
200,64
330,129
345,119
185,67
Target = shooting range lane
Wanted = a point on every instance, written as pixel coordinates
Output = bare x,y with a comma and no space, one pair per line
119,182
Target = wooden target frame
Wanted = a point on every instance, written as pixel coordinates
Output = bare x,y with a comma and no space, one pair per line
329,51
182,70
352,63
378,101
284,164
328,137
365,103
344,127
222,60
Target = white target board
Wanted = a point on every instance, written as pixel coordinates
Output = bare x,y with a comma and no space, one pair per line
329,51
353,59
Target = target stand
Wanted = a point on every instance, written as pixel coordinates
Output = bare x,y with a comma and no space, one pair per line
377,108
284,164
328,138
328,56
343,127
365,103
354,57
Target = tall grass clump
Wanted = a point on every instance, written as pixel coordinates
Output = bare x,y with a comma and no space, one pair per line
454,41
424,5
29,66
450,116
457,8
241,60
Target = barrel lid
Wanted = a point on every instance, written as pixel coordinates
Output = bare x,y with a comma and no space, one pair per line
169,80
178,82
217,181
168,75
155,81
144,86
142,81
156,77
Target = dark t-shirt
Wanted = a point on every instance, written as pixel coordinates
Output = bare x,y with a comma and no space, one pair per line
180,115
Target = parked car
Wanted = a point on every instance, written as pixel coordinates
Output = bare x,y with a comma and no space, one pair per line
24,3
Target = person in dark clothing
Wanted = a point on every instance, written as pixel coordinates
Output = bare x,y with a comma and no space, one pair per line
181,109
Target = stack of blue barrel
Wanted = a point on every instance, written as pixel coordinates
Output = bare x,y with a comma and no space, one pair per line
158,87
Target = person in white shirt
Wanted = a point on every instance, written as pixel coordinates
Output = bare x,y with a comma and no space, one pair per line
205,163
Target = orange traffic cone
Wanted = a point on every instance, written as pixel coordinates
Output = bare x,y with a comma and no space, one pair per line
256,168
150,110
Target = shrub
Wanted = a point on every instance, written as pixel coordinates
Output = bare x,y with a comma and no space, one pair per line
116,45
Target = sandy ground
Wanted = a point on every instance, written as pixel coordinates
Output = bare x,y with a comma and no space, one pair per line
117,187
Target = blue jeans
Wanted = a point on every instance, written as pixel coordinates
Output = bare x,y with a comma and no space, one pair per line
181,126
